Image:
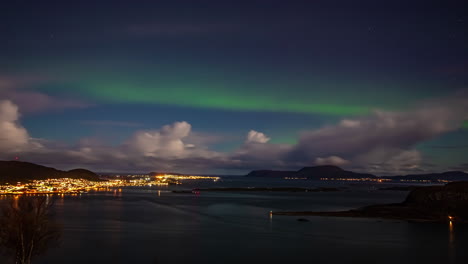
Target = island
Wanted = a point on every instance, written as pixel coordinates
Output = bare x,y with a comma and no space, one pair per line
334,173
446,203
313,173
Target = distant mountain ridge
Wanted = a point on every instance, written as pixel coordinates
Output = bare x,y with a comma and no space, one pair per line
316,172
329,171
19,171
448,175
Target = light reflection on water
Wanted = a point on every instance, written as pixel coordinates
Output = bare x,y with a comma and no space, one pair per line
452,256
144,225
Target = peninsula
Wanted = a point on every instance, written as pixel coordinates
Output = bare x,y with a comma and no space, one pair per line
430,203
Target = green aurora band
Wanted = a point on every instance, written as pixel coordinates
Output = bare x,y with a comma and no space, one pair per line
206,98
211,89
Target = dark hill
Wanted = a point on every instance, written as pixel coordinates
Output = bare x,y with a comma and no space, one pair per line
82,174
18,171
317,172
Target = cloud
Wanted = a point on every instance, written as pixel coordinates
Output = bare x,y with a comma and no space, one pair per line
461,167
13,137
387,161
168,148
380,130
332,160
256,152
382,143
166,142
385,140
256,137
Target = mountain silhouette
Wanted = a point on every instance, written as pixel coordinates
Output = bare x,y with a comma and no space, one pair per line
19,171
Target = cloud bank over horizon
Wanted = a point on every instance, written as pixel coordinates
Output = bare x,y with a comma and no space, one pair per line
383,142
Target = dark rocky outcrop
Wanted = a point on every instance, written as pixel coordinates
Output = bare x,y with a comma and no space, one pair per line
432,203
18,171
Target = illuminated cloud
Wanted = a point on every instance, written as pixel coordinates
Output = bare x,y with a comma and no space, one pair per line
13,137
256,137
166,142
332,160
381,143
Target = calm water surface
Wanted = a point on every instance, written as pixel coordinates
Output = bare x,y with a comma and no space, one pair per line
154,225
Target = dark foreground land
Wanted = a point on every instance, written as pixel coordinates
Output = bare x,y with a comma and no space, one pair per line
431,204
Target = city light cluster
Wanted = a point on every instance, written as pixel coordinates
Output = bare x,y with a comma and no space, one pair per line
172,177
68,185
425,181
356,179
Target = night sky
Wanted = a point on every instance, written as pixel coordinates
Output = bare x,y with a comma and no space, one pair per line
230,86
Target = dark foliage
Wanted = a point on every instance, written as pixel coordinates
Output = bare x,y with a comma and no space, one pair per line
27,227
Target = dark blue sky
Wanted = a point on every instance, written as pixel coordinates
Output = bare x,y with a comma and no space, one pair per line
91,77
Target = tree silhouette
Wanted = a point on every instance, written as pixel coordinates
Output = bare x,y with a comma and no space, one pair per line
27,228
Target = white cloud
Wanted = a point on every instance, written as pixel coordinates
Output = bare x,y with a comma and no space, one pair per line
166,142
256,137
380,130
13,137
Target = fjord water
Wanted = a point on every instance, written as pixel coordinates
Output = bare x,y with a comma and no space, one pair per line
155,225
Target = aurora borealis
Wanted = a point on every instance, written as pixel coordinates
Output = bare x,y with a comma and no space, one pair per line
95,83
